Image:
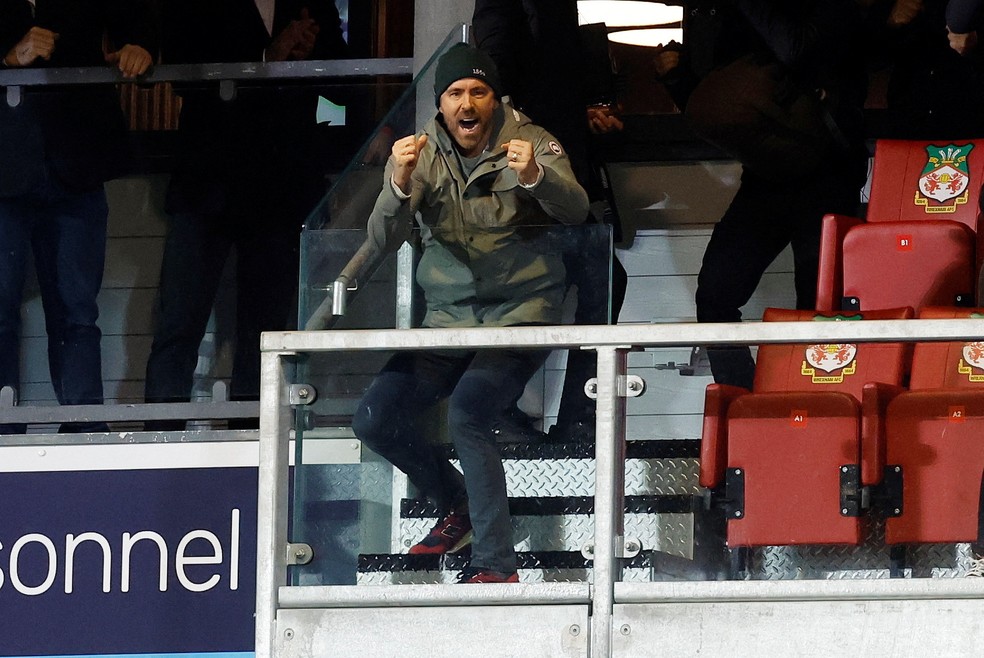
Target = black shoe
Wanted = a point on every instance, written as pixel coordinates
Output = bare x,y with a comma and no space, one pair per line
581,431
472,575
517,427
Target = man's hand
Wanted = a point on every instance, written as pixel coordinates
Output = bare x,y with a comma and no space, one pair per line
962,43
406,154
296,41
601,120
904,11
37,43
131,60
519,155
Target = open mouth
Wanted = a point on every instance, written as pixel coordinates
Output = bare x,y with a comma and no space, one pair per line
468,125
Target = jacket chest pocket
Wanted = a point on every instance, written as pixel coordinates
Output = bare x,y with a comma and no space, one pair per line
491,201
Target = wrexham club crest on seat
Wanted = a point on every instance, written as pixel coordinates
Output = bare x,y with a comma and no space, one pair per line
832,361
972,363
944,181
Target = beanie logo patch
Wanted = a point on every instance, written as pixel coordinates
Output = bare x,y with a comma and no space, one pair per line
555,147
479,72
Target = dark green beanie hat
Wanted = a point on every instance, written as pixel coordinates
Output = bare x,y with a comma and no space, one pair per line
465,61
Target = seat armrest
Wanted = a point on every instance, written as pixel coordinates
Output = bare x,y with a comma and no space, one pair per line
714,436
875,397
830,273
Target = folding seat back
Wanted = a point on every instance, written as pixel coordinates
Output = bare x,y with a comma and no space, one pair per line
919,246
915,181
935,442
917,264
798,367
793,446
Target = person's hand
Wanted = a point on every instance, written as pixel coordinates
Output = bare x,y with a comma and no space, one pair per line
131,60
296,41
37,43
406,154
519,156
667,58
602,120
964,44
904,11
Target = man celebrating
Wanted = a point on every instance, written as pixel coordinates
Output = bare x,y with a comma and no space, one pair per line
483,183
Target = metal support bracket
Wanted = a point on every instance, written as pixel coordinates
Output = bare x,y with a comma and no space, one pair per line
626,548
227,90
302,394
14,95
850,490
891,490
299,554
340,290
629,386
735,488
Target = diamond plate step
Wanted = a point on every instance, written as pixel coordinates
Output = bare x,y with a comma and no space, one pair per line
533,567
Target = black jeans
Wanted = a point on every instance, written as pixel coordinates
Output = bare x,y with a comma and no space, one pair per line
195,252
66,231
764,217
481,386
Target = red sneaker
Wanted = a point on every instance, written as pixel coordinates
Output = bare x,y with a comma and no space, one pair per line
473,575
449,535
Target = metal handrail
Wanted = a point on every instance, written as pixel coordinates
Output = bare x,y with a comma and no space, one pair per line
611,344
219,407
360,268
653,335
227,74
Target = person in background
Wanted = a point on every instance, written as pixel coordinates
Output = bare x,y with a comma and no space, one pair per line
935,89
246,177
531,41
481,180
799,141
57,149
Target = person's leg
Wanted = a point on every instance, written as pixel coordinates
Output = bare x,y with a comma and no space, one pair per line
15,240
597,303
748,238
69,241
266,289
833,190
387,418
492,383
195,252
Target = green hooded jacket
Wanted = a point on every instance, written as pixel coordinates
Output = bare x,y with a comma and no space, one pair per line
487,259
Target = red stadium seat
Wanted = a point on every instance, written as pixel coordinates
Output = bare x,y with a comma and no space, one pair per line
935,438
919,245
794,453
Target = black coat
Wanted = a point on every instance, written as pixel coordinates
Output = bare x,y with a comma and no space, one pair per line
252,156
79,132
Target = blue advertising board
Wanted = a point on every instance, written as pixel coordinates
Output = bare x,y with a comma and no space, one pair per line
149,551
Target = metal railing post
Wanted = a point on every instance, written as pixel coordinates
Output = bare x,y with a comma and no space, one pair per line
271,522
609,496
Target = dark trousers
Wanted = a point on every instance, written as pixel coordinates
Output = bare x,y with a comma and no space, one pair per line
195,252
764,217
480,386
67,232
590,267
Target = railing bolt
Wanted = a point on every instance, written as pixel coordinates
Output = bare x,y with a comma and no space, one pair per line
575,630
625,630
289,634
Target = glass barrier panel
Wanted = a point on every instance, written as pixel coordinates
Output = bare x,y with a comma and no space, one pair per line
362,517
